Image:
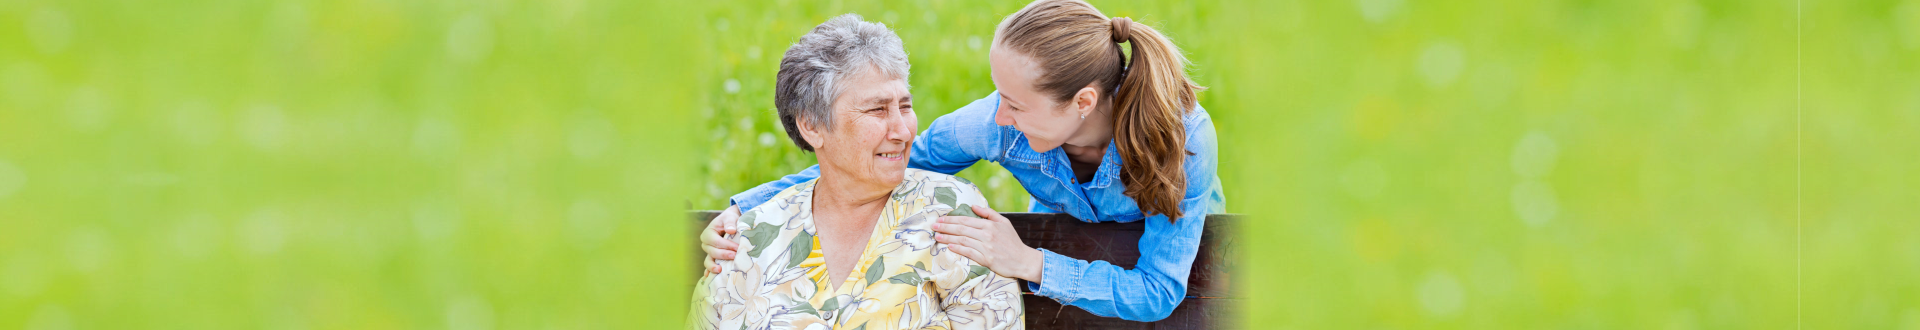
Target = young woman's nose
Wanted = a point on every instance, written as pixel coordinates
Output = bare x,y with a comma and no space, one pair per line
1003,116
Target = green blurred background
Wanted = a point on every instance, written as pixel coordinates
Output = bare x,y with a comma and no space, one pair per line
344,164
526,164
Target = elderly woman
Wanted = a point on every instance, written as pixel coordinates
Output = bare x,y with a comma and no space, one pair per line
854,248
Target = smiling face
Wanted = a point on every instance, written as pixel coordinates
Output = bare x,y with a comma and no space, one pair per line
873,129
1046,121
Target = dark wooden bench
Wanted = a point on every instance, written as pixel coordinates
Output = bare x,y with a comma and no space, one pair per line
1209,303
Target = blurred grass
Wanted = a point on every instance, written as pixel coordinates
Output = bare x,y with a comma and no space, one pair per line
512,164
343,164
1573,164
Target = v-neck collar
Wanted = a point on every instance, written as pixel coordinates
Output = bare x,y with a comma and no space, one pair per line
881,226
1109,169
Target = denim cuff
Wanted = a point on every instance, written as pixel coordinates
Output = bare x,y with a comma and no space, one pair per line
1058,275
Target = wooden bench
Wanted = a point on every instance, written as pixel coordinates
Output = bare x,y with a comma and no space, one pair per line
1209,303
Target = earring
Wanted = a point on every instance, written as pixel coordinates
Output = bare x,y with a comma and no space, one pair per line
1083,116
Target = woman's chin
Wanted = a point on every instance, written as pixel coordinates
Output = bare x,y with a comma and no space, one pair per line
1041,146
891,175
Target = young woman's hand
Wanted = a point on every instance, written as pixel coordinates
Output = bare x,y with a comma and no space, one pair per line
714,239
990,241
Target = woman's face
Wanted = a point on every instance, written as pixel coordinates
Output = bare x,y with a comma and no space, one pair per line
873,130
1047,123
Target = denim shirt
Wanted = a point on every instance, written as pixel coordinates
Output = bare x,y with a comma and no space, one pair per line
1158,282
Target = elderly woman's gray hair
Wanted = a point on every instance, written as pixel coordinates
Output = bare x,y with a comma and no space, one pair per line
813,71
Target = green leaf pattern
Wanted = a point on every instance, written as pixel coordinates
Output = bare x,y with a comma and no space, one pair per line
760,236
873,270
909,278
944,196
964,210
801,248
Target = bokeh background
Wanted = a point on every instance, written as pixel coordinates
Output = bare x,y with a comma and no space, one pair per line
527,164
344,164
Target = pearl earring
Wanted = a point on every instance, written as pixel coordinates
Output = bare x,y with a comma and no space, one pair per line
1083,116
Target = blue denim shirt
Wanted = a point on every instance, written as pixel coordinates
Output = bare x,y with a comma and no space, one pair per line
1158,281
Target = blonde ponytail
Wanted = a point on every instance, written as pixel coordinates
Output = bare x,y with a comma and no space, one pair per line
1149,126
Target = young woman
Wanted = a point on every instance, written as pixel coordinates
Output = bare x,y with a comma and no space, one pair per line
1087,132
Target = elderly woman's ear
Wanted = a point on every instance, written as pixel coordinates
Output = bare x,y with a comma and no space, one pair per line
812,135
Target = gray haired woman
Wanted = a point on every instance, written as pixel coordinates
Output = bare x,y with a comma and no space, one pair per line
854,248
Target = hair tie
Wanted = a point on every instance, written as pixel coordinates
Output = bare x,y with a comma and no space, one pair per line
1122,30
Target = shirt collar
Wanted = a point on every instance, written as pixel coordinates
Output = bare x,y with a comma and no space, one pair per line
1109,167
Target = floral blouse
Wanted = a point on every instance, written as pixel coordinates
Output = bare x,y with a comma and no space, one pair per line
903,279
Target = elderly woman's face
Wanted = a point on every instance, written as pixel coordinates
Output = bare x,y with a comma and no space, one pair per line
873,129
